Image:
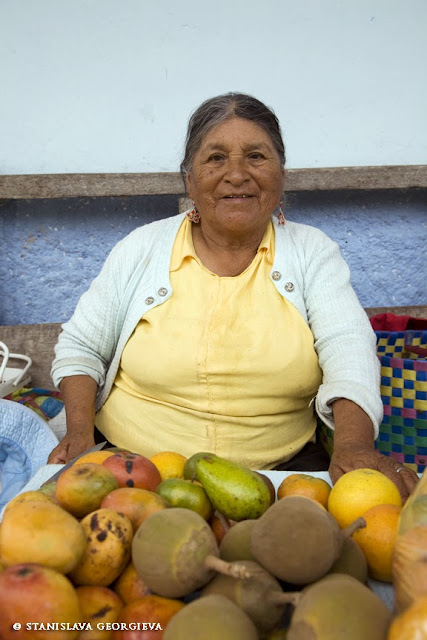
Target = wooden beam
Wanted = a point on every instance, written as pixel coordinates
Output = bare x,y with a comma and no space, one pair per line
363,178
75,185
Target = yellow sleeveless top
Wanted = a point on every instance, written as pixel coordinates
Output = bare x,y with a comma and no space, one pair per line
226,365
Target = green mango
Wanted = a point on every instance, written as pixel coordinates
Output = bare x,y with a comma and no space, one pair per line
190,464
187,495
236,491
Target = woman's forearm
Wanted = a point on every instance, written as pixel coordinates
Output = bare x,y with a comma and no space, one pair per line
352,424
79,393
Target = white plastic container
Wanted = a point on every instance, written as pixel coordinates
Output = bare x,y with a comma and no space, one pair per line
12,378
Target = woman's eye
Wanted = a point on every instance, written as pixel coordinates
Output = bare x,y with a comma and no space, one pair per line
256,155
215,157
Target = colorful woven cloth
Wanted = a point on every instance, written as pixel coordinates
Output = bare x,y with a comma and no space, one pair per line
403,431
47,404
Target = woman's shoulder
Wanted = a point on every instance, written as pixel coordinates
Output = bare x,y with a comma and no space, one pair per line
155,228
305,235
153,234
305,231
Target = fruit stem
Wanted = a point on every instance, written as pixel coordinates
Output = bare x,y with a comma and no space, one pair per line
233,569
354,526
284,597
224,521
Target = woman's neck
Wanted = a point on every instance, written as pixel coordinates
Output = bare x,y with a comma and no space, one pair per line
225,256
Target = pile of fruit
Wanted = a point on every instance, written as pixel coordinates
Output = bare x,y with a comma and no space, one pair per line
123,547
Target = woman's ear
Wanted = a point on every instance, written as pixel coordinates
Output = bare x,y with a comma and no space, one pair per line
188,185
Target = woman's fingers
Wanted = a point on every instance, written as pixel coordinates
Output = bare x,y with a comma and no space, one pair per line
59,454
69,448
403,477
406,481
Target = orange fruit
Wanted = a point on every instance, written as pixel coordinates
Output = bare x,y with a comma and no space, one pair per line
302,484
357,491
97,457
169,464
411,624
378,538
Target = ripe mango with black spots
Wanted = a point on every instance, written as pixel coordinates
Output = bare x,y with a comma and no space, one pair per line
109,541
133,470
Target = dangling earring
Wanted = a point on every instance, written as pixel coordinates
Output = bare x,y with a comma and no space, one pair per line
194,215
280,217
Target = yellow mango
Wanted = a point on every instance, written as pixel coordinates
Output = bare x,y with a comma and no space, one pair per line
109,539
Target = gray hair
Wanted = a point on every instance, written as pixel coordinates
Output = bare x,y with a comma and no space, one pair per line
216,110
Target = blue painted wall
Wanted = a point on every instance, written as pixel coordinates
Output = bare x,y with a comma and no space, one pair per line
50,250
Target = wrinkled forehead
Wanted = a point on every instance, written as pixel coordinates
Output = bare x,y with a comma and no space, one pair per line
235,130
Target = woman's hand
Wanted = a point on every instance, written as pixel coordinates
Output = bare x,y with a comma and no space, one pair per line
79,394
71,446
358,456
354,448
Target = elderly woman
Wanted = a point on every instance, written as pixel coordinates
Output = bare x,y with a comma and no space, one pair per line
225,329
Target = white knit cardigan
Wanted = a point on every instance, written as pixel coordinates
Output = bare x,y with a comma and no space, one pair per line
308,270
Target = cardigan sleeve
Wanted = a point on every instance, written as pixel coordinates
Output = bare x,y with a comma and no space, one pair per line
87,342
343,336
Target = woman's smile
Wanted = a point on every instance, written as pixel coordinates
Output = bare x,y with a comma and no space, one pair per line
237,198
240,200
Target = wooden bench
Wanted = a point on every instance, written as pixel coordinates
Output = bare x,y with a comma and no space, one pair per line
38,341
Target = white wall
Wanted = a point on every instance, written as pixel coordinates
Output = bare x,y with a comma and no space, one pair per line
107,85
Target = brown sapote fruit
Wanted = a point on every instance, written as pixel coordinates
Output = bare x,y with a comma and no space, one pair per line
297,540
175,552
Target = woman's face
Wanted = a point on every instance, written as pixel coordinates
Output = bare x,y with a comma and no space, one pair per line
236,180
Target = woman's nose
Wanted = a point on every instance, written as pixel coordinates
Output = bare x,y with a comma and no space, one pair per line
236,172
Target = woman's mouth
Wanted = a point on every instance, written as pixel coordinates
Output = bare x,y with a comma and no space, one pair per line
237,196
